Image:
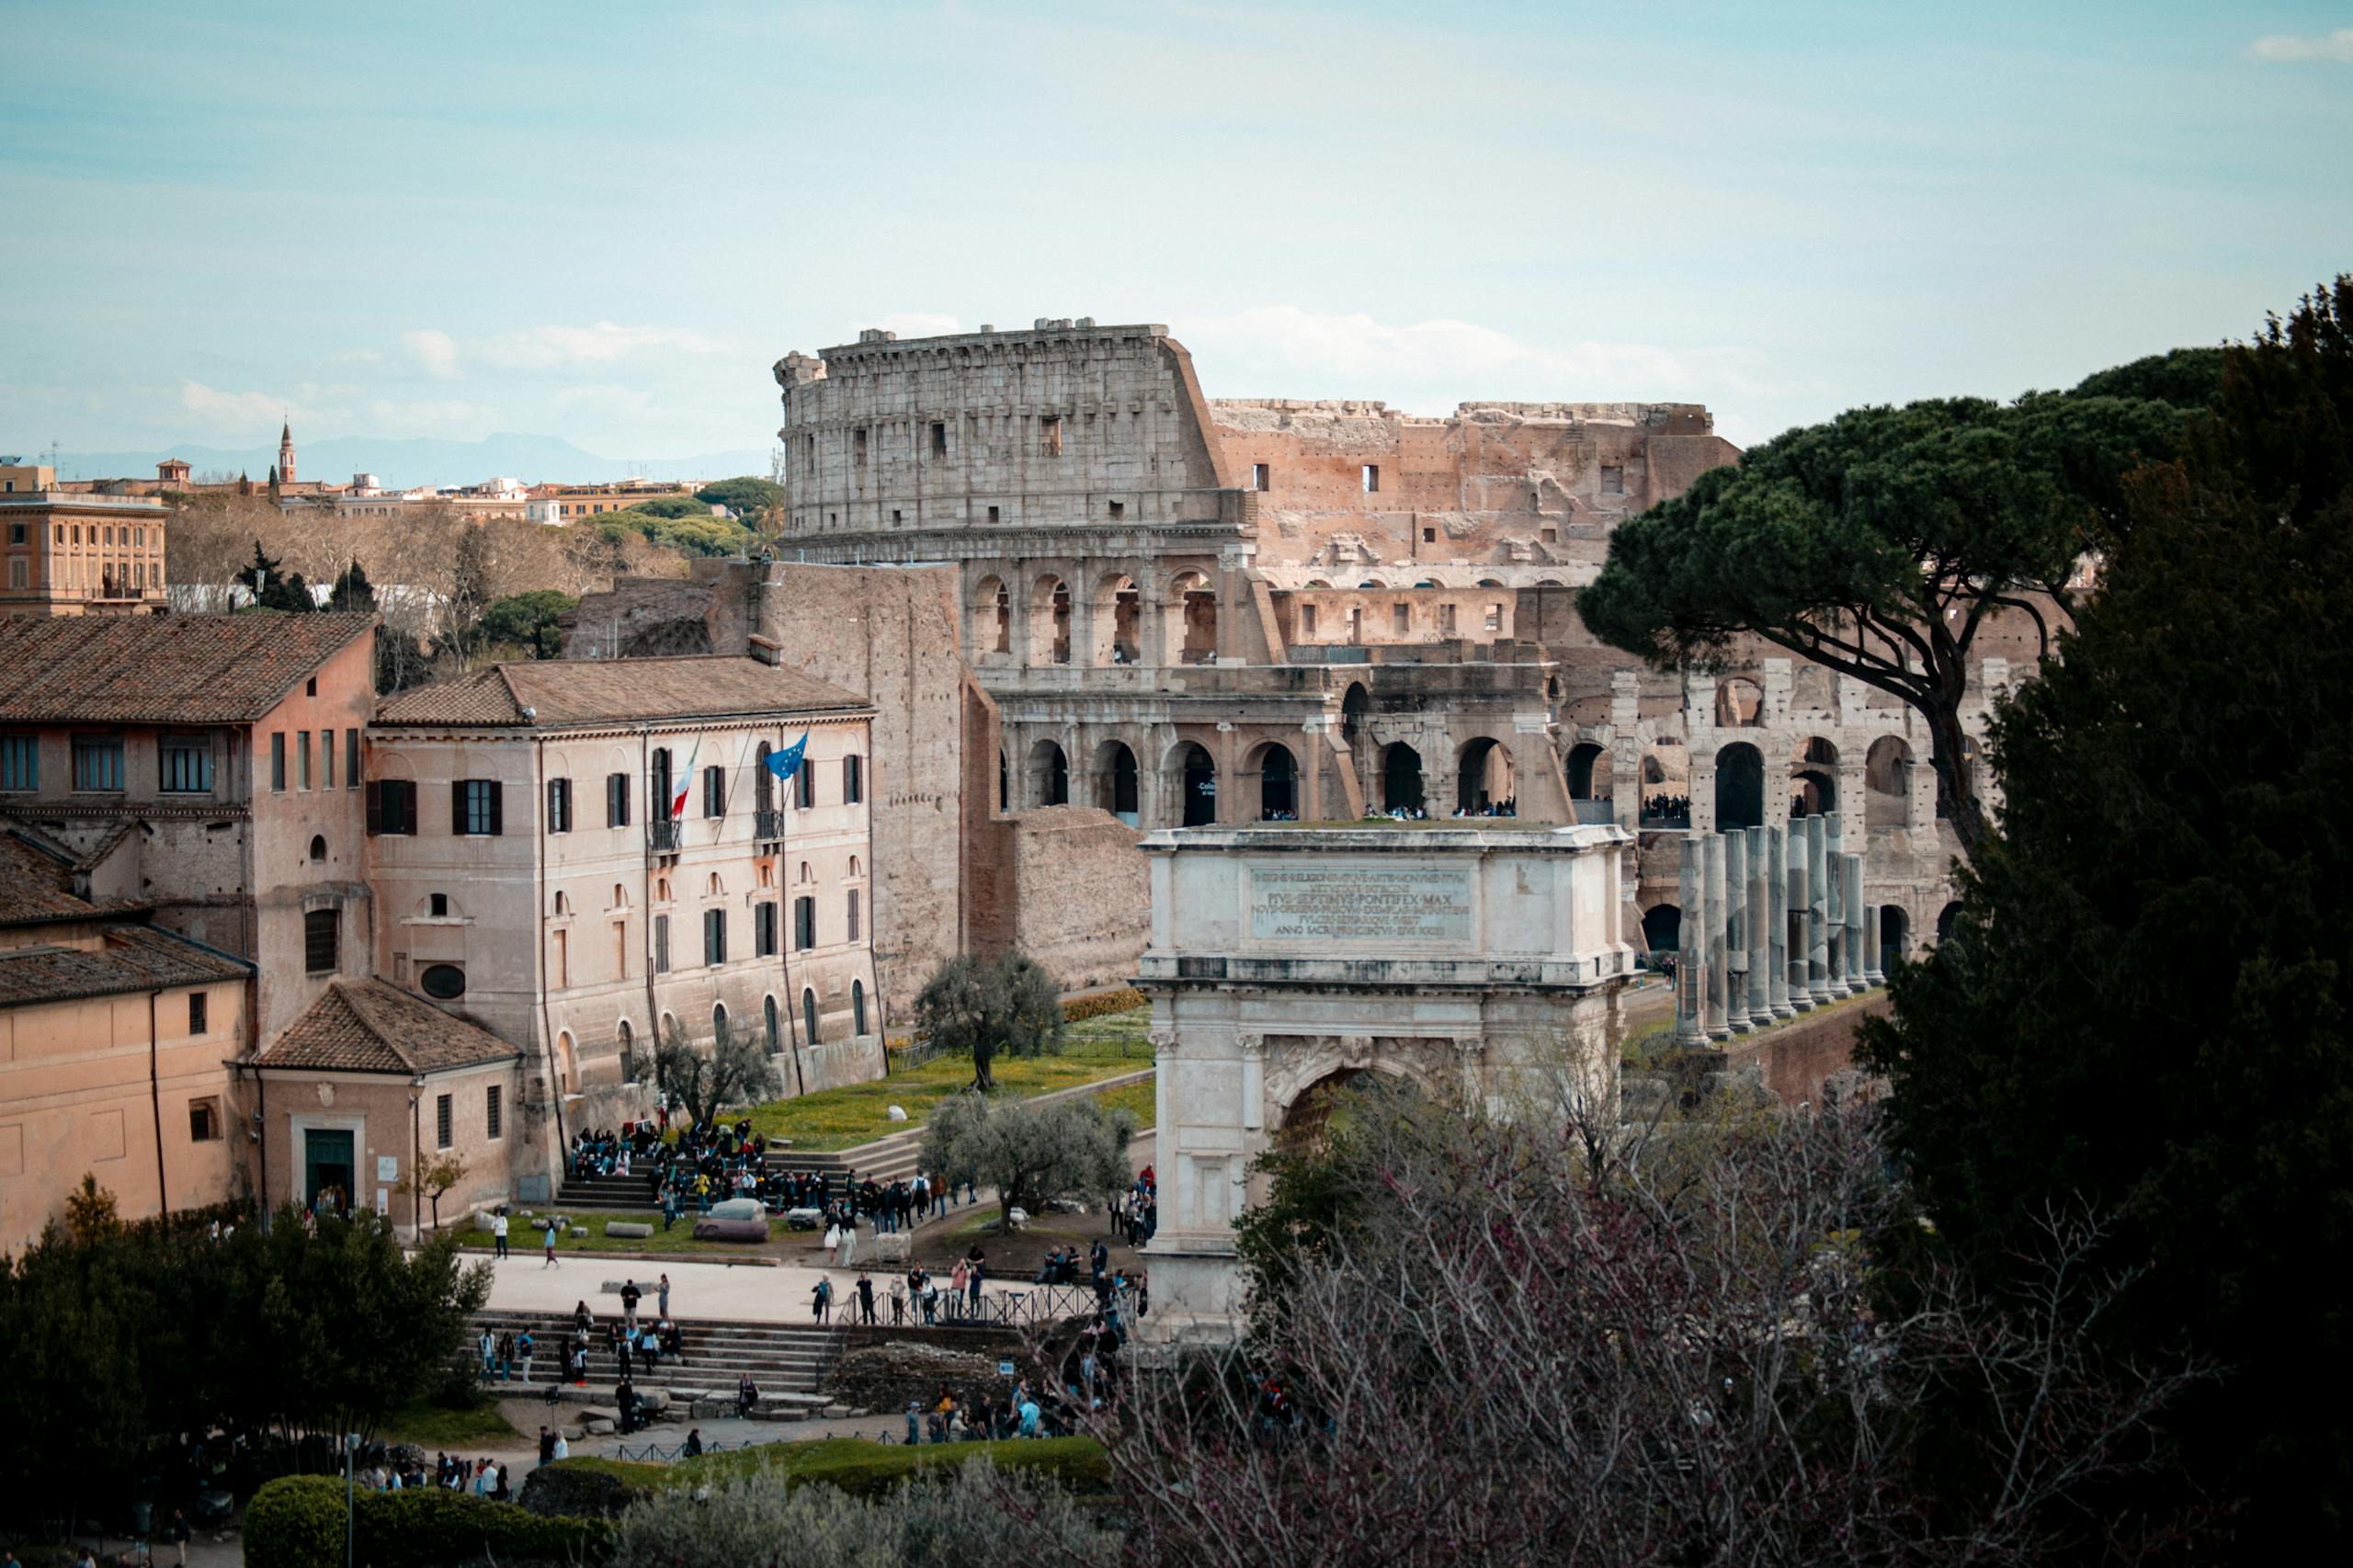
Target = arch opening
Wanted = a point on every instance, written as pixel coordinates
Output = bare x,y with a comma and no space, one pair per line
1192,609
1401,780
1116,788
1278,785
991,618
1663,928
1049,775
1887,783
1193,777
1895,935
1740,786
1484,786
1050,621
1118,620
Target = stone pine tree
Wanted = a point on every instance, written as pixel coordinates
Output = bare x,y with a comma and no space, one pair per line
2144,1000
352,590
981,1008
1878,544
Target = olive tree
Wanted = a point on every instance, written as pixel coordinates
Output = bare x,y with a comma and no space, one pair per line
1030,1153
978,1007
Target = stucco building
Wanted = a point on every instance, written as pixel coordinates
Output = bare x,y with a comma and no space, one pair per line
114,1036
207,766
77,554
533,879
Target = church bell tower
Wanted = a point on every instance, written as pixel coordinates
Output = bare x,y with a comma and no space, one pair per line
286,453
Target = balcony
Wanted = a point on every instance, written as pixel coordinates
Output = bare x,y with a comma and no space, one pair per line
769,826
664,837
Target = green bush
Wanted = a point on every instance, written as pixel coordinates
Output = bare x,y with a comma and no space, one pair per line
296,1521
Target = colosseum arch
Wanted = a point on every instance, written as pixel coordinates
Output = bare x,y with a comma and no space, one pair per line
1483,779
1277,771
1814,778
1887,783
1740,703
1049,620
1191,618
1740,786
1188,775
1402,787
1117,781
1117,611
991,618
1048,774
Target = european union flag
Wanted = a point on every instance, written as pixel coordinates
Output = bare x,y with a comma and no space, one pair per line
786,763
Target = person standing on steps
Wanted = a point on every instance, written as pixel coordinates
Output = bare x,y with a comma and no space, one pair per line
662,1298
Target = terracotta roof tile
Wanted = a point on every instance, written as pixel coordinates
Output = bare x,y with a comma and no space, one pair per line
161,669
366,1025
34,884
562,692
132,958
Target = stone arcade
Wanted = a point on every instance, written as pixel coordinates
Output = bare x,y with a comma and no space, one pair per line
1286,960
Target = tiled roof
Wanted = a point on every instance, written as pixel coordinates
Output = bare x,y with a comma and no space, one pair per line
161,669
33,884
366,1025
561,692
133,957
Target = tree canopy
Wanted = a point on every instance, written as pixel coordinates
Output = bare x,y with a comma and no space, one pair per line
747,498
529,620
683,525
1878,544
977,1007
735,1071
1030,1153
2143,1000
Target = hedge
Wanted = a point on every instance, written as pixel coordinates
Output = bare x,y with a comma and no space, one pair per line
1080,1008
857,1466
296,1521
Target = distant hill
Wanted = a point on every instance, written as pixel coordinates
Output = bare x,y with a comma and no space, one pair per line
401,463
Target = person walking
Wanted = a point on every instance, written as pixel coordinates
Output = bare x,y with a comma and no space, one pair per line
550,1261
177,1533
821,1300
631,1296
498,1231
524,1345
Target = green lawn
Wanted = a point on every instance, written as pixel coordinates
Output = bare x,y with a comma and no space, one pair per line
1135,1098
858,1465
438,1426
680,1238
843,1118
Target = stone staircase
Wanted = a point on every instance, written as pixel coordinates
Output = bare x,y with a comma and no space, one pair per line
600,1193
787,1362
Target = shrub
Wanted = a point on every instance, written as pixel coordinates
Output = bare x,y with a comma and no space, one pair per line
1078,1010
296,1521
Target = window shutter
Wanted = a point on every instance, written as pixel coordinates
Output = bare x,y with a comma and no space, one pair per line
375,808
497,811
457,805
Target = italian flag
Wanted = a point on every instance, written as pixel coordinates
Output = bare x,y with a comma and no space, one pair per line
685,783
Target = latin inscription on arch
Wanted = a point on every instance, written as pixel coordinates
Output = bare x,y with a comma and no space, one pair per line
1360,904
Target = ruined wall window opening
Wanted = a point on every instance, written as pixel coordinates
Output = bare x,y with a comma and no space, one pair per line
1400,778
1494,617
436,905
938,439
318,848
1262,476
1613,480
1446,620
808,1016
1370,478
1278,785
1194,774
1401,620
1485,785
1119,510
1740,786
1049,775
857,447
1307,620
1050,435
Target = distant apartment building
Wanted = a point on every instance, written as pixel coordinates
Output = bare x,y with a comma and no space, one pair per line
72,554
532,877
114,1034
559,504
208,767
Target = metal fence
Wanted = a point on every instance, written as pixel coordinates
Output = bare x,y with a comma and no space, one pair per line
664,1453
1026,1307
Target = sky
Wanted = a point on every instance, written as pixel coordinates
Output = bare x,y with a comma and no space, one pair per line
607,222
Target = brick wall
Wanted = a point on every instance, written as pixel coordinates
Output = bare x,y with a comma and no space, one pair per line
1083,895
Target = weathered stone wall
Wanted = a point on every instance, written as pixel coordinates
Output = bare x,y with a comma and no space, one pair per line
1795,1059
1082,894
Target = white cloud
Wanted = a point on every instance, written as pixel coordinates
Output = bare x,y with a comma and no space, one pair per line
235,409
1431,364
2290,49
433,348
554,347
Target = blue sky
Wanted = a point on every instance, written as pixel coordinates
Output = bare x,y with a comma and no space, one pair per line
606,221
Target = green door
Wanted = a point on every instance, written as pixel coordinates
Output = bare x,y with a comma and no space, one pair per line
326,1166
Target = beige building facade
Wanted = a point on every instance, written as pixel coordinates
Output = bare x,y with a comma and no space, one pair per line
534,880
77,554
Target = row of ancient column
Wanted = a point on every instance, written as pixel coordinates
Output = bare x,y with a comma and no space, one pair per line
1773,924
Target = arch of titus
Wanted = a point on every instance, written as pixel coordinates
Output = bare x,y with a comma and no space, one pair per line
1488,957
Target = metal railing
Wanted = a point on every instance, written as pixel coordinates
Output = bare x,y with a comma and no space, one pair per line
666,1453
769,826
664,837
1024,1306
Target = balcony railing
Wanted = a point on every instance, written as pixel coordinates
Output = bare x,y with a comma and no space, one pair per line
769,826
665,836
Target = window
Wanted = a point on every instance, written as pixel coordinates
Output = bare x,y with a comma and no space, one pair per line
1119,510
1446,620
97,763
804,924
804,785
1400,618
319,933
318,847
204,1120
492,1113
809,1015
21,574
437,906
939,440
858,1006
1429,536
302,760
657,805
311,687
559,805
278,762
1494,617
719,1034
392,806
477,808
852,934
764,930
857,447
714,792
20,762
16,530
183,764
1307,619
776,1026
351,759
616,799
1371,477
853,781
993,514
445,981
199,1016
714,937
1262,476
660,944
1052,434
1613,480
442,1118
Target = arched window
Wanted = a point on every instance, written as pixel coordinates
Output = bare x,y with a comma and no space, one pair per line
854,870
1400,778
563,903
774,1025
626,1037
857,1006
318,846
809,1015
806,875
662,889
719,1024
1740,786
718,888
620,897
1484,785
1278,785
